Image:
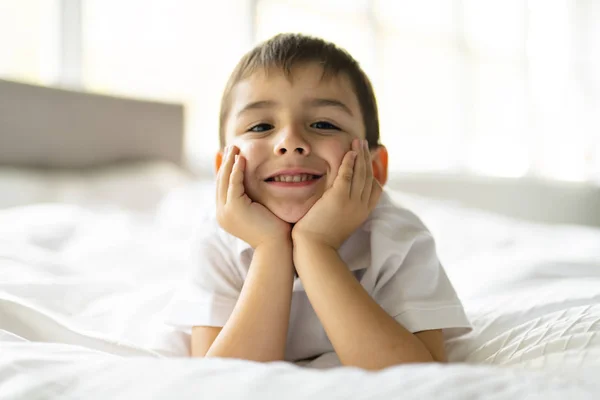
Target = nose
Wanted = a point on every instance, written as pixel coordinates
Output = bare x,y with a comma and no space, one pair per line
292,141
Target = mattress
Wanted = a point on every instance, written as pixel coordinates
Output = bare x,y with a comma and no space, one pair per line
84,281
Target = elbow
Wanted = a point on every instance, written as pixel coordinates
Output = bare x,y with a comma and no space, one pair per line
391,360
241,355
197,354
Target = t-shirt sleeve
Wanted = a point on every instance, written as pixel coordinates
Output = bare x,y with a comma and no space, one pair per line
209,295
413,287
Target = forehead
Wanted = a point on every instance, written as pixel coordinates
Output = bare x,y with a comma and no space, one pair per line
303,81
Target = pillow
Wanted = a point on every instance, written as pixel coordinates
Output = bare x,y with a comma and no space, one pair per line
134,186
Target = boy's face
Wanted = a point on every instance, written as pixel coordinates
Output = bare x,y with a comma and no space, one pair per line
294,134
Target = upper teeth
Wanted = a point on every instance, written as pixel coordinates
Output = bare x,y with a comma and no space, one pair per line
293,178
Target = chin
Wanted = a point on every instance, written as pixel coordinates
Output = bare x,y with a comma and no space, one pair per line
290,214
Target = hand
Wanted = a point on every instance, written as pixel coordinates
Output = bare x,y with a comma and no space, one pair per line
237,213
344,206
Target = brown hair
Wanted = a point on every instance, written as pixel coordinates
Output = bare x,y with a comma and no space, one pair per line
287,50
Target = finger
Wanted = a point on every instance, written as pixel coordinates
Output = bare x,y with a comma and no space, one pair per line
375,194
368,175
220,174
223,178
343,180
225,172
358,181
236,182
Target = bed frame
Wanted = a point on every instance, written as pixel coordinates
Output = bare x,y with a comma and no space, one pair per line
525,198
57,128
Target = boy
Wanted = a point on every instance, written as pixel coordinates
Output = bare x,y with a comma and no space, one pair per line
306,254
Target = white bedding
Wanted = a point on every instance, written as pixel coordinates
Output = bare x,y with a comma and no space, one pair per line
82,289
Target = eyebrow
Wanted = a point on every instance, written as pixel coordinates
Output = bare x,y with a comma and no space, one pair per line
315,103
257,105
318,102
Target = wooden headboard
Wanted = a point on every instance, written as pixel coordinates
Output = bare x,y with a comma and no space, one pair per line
56,128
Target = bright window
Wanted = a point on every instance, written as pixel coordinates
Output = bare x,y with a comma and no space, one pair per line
489,87
29,47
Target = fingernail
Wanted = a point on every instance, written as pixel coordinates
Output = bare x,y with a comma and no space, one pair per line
236,157
366,144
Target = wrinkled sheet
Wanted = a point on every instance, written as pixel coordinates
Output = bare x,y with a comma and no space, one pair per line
82,290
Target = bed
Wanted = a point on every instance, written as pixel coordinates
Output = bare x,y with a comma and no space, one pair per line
94,240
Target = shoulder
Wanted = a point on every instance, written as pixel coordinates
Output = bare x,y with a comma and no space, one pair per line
213,248
398,240
390,220
208,233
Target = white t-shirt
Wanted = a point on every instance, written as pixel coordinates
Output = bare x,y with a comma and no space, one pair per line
392,255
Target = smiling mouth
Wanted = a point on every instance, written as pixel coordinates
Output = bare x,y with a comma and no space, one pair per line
296,178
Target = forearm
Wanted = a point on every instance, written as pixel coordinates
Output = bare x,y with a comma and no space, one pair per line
361,332
257,328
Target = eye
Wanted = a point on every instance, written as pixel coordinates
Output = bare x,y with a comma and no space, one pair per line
324,125
259,128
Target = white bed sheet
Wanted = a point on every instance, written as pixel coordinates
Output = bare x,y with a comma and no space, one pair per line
137,186
82,290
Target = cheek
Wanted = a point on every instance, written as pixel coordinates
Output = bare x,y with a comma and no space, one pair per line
335,154
254,154
250,152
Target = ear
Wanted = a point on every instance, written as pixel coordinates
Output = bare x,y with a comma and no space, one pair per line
379,157
218,161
